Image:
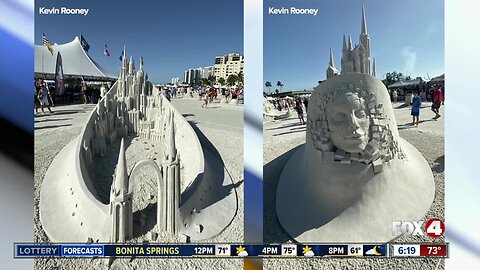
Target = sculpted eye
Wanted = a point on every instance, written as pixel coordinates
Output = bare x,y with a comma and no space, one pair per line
360,113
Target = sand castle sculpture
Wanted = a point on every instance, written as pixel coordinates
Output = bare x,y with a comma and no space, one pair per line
270,111
190,203
353,176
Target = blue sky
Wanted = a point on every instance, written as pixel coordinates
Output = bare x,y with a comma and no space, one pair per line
172,36
405,36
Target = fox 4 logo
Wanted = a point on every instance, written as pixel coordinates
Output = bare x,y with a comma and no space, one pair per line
434,228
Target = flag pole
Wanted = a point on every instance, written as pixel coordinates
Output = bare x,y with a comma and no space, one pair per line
43,56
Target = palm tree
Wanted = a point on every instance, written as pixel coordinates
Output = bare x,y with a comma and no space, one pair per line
205,81
240,77
280,84
197,81
268,84
221,81
211,79
232,78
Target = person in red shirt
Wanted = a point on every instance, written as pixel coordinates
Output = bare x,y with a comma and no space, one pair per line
213,93
436,101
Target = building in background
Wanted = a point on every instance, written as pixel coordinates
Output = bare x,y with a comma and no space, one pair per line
191,74
224,66
206,72
197,73
227,65
175,81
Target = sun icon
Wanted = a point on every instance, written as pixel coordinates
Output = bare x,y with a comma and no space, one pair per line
308,252
240,249
241,252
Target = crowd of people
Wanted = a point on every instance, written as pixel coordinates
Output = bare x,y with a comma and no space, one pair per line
209,94
46,96
298,104
425,92
206,94
437,94
78,91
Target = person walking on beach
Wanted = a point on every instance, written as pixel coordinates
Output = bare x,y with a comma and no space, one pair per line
103,90
416,103
305,103
43,97
394,95
86,99
37,88
51,95
436,102
168,95
205,99
212,93
299,109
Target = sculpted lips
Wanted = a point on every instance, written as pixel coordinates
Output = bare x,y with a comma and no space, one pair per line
354,136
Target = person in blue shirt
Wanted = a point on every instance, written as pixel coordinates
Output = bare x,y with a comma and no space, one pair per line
416,103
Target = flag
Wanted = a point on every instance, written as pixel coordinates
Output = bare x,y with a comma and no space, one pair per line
123,53
47,43
59,82
106,52
141,60
84,43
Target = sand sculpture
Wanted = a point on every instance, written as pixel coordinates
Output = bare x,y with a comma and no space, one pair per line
353,176
270,111
191,203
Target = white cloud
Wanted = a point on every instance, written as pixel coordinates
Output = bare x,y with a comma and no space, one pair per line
309,254
409,60
243,254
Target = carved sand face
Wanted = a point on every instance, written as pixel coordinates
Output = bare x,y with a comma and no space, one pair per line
348,122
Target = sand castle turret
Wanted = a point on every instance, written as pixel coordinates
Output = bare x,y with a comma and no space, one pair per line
121,202
357,58
331,70
171,176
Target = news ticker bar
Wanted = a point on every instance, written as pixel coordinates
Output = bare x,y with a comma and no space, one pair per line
229,250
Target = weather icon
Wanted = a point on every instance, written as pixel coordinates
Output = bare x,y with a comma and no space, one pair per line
241,252
374,251
307,252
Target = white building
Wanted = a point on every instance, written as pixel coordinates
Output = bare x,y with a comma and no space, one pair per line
175,81
191,74
224,66
206,72
196,73
227,65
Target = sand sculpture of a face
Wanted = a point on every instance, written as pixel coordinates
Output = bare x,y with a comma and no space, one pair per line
348,122
353,169
351,120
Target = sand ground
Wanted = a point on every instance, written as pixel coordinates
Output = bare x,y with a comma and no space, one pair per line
282,136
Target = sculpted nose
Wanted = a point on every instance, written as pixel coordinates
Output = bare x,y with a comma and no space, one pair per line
352,122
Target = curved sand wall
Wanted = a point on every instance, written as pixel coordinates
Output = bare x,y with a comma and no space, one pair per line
70,208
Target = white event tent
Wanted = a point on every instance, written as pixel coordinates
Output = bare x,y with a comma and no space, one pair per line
76,62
